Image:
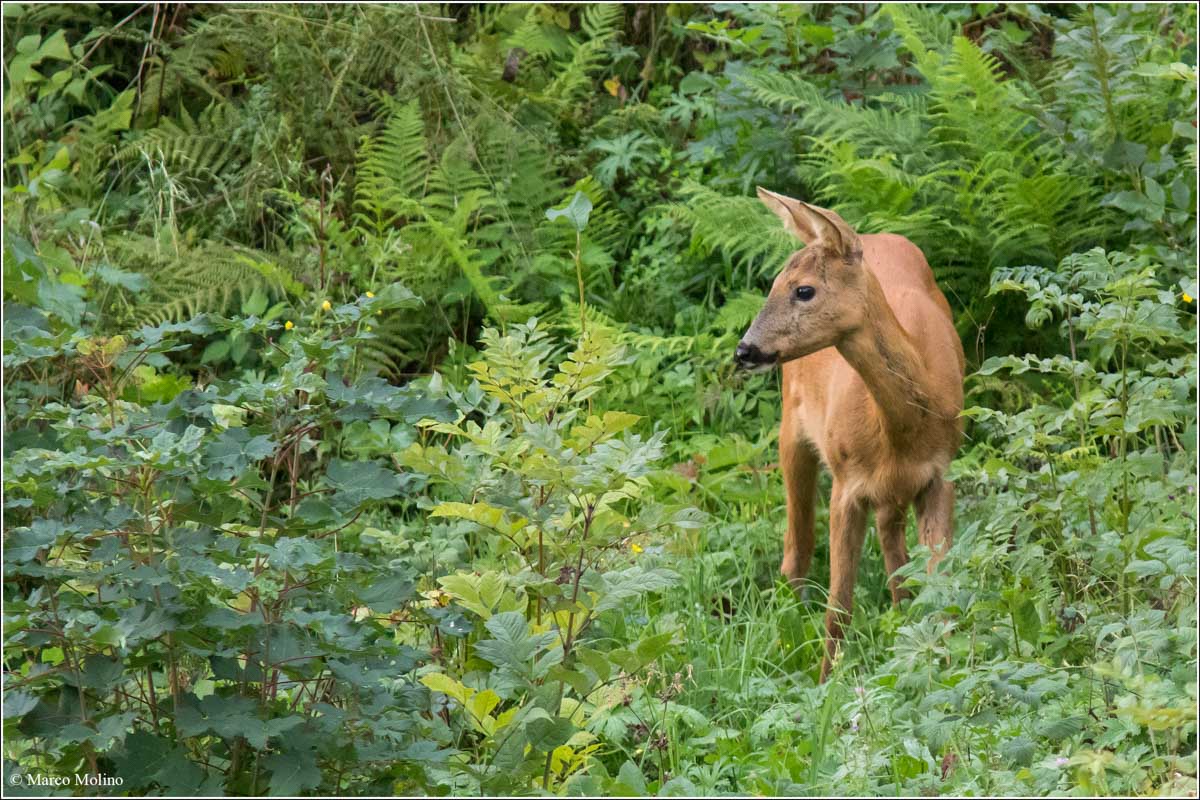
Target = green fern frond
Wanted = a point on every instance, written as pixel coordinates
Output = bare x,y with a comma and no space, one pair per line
205,278
468,260
788,91
199,147
738,226
739,311
393,168
896,123
600,24
601,21
392,343
541,39
922,35
186,64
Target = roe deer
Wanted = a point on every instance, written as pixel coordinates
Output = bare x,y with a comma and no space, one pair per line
872,386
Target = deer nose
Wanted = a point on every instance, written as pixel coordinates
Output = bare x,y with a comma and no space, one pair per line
747,355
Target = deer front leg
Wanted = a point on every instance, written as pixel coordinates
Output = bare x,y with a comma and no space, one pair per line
799,464
889,522
935,518
847,528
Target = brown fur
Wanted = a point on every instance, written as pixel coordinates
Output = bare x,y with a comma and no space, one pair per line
872,387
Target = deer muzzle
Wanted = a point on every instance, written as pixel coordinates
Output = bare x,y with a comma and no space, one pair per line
751,357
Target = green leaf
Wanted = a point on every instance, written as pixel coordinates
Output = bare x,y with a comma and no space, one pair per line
481,704
18,703
54,47
179,775
141,759
621,585
441,682
358,482
23,544
483,514
1059,728
256,304
239,346
296,552
130,281
216,351
293,772
1155,192
479,593
233,451
1018,751
231,717
545,732
576,213
102,672
63,300
1145,568
396,295
112,729
512,644
387,594
819,35
631,778
1029,624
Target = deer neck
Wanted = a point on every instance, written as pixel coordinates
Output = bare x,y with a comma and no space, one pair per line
883,354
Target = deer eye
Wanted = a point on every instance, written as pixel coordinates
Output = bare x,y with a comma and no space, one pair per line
805,293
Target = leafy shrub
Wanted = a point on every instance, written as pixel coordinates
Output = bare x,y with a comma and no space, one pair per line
554,498
188,606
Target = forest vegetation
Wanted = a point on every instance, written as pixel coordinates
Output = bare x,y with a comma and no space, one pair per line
371,425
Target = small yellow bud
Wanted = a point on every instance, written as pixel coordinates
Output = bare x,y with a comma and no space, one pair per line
370,294
287,326
1187,298
379,313
636,548
326,305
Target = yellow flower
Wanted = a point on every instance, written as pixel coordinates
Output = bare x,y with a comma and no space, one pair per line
326,305
370,294
437,597
287,326
635,547
1187,298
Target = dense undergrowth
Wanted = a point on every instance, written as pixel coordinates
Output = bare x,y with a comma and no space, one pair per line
333,463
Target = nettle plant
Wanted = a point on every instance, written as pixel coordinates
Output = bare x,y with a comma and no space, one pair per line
556,503
1070,593
189,605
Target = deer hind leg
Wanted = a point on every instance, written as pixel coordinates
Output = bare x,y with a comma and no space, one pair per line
847,528
799,463
890,521
935,518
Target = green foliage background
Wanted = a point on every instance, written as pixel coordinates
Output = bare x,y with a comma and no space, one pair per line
333,463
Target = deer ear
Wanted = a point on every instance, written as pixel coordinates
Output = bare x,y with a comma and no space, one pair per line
812,224
792,213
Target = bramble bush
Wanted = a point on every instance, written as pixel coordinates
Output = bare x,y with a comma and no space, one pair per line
186,581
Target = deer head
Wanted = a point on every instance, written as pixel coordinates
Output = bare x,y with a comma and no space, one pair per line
817,299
